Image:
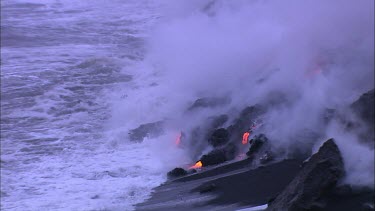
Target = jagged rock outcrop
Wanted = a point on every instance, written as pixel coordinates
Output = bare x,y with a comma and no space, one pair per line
152,129
318,176
364,108
209,102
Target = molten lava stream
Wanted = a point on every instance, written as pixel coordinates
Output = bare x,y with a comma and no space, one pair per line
245,138
197,165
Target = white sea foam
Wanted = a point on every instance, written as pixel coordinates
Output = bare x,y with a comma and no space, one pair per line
60,61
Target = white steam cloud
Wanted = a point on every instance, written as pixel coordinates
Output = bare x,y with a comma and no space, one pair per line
317,53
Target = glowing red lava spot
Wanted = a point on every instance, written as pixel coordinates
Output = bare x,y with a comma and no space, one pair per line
245,137
197,165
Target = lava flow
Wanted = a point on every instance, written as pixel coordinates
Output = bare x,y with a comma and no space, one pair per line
197,165
245,137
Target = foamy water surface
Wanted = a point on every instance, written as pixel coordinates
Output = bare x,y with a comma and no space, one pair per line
62,64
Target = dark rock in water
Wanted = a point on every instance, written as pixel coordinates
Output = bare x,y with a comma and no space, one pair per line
208,102
177,172
219,137
318,177
219,155
152,129
364,107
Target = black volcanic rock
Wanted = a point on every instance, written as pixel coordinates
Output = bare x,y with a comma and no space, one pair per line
256,144
214,157
260,150
152,129
177,172
209,102
244,121
219,155
317,178
347,198
221,187
219,137
364,108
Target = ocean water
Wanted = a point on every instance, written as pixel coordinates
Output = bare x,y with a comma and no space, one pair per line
64,65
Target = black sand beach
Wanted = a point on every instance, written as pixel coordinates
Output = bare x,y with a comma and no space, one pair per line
227,187
290,184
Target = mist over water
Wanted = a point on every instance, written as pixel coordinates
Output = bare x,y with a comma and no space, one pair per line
316,55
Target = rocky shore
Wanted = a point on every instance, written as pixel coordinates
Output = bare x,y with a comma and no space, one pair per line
283,185
302,182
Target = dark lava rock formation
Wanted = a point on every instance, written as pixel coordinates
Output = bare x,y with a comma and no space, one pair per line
177,172
152,129
364,108
262,177
256,144
219,137
220,155
208,102
318,177
244,121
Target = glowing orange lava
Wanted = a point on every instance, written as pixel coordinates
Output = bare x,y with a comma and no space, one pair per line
245,137
197,165
178,139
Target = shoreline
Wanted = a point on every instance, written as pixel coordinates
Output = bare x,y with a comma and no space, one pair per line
232,186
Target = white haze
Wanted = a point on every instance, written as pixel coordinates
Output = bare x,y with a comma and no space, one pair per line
250,49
